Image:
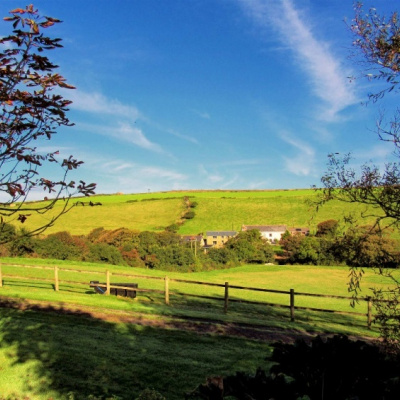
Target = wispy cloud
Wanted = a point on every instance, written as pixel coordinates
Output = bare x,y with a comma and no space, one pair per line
125,132
210,177
100,104
134,135
124,115
314,56
121,175
202,114
155,172
301,164
181,136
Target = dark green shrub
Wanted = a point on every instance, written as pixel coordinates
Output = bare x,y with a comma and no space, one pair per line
168,238
327,228
101,252
172,256
62,246
150,394
7,232
331,369
222,255
172,228
146,241
189,215
22,245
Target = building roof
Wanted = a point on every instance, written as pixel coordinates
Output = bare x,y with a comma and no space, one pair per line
265,228
189,238
221,233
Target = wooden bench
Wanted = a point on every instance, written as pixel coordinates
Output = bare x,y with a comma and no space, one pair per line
101,289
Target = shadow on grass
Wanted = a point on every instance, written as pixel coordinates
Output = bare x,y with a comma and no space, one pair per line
51,353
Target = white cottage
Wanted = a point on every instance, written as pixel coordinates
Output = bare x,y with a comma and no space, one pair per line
270,232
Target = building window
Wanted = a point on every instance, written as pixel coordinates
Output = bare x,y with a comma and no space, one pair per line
214,237
214,242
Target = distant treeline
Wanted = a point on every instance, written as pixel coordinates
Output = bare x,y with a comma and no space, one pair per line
159,250
361,246
167,250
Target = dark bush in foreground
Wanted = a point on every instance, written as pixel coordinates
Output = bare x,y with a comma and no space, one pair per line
333,369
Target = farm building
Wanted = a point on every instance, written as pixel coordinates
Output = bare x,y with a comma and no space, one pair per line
198,239
270,232
218,238
274,233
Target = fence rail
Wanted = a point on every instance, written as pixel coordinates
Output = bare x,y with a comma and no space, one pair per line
225,297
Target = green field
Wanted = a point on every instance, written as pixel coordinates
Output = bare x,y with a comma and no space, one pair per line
304,279
47,355
216,210
50,356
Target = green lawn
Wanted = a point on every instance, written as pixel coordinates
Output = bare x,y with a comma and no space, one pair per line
48,356
305,279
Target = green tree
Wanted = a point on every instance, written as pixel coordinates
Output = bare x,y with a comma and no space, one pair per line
32,109
250,247
102,252
222,255
377,49
327,228
62,246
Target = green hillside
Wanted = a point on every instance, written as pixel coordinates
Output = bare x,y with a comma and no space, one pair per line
216,210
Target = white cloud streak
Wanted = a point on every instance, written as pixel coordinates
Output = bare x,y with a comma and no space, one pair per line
125,132
301,164
202,114
98,103
314,56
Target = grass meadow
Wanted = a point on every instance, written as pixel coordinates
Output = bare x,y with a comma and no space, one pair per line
53,355
216,210
62,357
304,279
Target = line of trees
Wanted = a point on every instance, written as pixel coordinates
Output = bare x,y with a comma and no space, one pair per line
157,250
361,245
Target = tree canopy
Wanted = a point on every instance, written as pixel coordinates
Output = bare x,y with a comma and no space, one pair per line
32,109
376,40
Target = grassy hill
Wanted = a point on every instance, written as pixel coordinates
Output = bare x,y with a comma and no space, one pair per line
216,210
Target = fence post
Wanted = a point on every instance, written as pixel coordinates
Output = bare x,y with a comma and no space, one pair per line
292,305
1,278
226,297
56,285
166,279
108,282
369,311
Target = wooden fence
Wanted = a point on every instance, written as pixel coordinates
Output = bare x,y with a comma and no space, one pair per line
226,298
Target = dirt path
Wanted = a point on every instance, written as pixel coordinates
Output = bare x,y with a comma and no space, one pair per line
201,326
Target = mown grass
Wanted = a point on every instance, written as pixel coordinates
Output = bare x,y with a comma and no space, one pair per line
51,356
216,210
308,279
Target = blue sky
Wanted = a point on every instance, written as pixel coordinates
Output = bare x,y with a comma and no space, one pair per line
209,94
